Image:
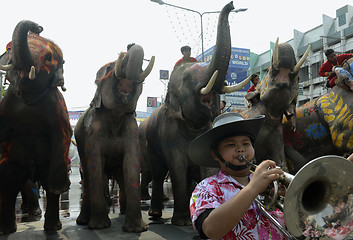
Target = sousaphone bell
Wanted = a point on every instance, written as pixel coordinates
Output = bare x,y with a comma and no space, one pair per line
318,200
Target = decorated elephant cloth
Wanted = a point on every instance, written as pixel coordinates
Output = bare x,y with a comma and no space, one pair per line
34,148
325,124
107,141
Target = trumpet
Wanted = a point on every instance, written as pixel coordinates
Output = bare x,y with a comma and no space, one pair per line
318,200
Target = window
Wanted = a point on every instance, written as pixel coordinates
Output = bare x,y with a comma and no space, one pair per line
342,20
315,69
303,74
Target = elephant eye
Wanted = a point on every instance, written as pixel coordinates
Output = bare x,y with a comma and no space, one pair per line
48,58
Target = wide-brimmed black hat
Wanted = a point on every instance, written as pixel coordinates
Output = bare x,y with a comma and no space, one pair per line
183,48
225,125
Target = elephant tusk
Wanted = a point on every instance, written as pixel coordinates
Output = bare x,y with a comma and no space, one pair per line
7,67
32,73
275,61
229,89
148,70
302,60
207,89
118,64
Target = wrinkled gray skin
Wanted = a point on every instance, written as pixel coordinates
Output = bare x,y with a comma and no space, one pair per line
107,141
185,115
276,96
34,148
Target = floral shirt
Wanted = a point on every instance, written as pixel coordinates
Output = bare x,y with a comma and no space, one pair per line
216,190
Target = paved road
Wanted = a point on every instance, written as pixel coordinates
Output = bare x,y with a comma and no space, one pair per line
70,208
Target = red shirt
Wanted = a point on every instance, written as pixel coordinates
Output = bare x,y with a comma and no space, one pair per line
326,67
181,61
251,89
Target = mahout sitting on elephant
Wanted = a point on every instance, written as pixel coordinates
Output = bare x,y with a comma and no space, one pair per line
325,124
192,102
35,131
276,97
107,141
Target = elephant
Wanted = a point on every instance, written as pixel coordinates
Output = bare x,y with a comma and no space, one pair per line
30,204
325,124
35,130
192,102
276,96
107,141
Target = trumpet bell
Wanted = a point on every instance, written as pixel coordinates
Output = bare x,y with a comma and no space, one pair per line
319,200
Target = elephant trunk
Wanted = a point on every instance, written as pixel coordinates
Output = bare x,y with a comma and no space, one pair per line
221,56
132,63
21,54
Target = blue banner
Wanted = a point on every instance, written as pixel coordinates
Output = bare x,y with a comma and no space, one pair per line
235,75
240,58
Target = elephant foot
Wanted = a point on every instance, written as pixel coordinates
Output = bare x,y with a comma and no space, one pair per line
52,225
155,214
99,222
32,211
7,229
181,220
82,219
135,227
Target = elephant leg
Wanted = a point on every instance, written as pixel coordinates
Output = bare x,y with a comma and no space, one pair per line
30,195
96,186
52,221
12,180
295,160
158,173
131,194
107,196
146,178
7,212
181,214
122,191
85,213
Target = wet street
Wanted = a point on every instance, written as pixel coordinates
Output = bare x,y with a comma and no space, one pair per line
70,209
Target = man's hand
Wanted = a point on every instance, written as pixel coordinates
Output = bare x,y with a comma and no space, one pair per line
332,74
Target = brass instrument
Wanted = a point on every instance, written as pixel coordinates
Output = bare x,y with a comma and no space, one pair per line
318,201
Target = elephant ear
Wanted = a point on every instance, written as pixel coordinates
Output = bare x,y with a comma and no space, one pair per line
173,106
107,69
97,100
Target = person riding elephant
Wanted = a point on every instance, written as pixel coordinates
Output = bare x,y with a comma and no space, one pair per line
192,102
34,148
107,141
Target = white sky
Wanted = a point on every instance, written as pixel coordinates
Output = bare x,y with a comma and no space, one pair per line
92,33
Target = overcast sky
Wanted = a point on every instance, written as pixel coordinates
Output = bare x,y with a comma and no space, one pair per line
92,33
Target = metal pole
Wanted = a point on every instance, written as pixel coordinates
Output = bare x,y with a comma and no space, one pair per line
203,55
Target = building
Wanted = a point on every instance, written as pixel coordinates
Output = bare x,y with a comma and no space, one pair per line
335,33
